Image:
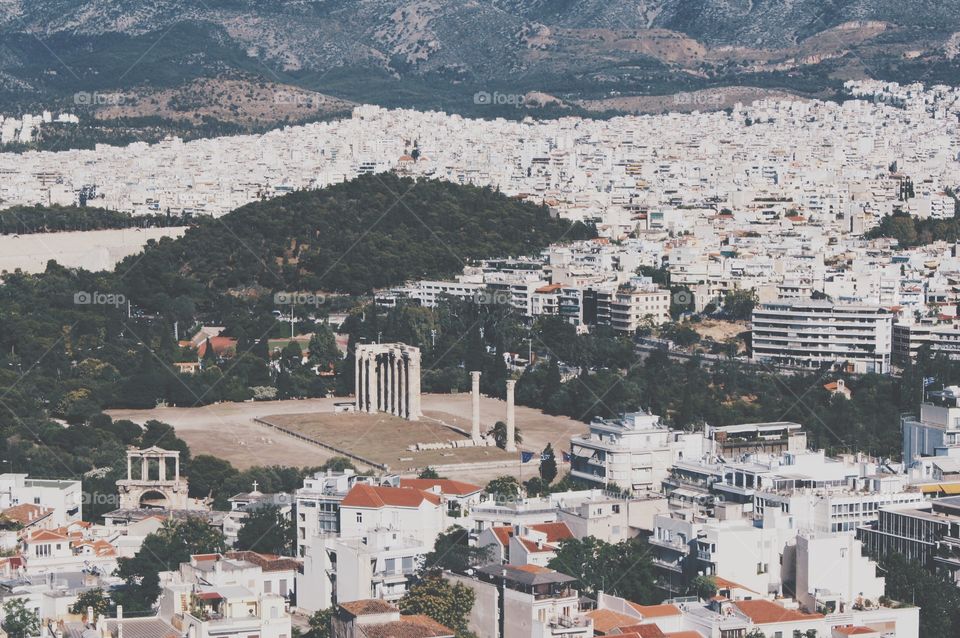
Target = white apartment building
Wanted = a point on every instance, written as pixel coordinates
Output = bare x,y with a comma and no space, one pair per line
631,307
383,534
216,596
936,432
813,334
634,451
64,497
527,602
833,574
318,504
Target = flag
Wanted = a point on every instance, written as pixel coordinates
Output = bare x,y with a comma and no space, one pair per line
566,457
526,457
928,381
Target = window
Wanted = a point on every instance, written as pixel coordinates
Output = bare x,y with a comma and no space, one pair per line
359,517
268,586
36,500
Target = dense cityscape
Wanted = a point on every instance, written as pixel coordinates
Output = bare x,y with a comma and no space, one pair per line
416,373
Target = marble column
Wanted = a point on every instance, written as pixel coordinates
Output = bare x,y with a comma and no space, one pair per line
511,417
357,394
475,393
413,386
144,469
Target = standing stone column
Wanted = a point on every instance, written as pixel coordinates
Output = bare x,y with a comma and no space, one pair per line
475,392
388,373
404,389
413,386
369,381
381,383
511,418
144,468
357,364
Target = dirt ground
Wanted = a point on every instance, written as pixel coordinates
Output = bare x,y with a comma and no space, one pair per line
719,330
227,430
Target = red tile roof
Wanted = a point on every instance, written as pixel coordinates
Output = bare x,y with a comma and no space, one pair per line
374,497
763,612
605,620
854,631
503,534
447,486
555,532
368,606
656,611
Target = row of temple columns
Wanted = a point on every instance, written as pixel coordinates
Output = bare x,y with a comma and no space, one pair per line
511,445
388,380
145,466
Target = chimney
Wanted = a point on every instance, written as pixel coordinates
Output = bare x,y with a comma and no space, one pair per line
475,393
511,418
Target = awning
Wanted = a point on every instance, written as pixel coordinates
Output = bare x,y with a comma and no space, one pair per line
947,489
209,595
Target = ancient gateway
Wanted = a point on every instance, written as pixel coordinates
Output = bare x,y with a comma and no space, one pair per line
387,379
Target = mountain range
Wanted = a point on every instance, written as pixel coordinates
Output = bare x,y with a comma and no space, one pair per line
551,56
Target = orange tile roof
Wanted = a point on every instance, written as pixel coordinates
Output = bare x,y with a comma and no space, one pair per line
685,634
555,532
375,497
605,620
45,535
656,611
854,631
503,534
723,583
447,486
26,513
368,606
531,546
764,612
649,630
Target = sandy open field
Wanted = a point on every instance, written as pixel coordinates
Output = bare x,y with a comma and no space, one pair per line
227,430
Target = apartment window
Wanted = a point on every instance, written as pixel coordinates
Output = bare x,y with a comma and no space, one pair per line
268,586
283,586
359,517
36,500
407,564
390,565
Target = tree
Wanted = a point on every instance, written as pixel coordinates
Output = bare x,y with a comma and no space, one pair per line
552,382
756,633
452,552
548,465
500,435
320,624
504,488
95,598
739,304
267,530
428,473
623,569
18,621
705,587
163,550
935,593
435,597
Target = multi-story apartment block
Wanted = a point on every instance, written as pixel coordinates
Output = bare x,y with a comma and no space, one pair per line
936,432
525,601
215,596
63,497
814,334
633,452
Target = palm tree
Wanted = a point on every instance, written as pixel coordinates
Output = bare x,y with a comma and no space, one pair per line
500,435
